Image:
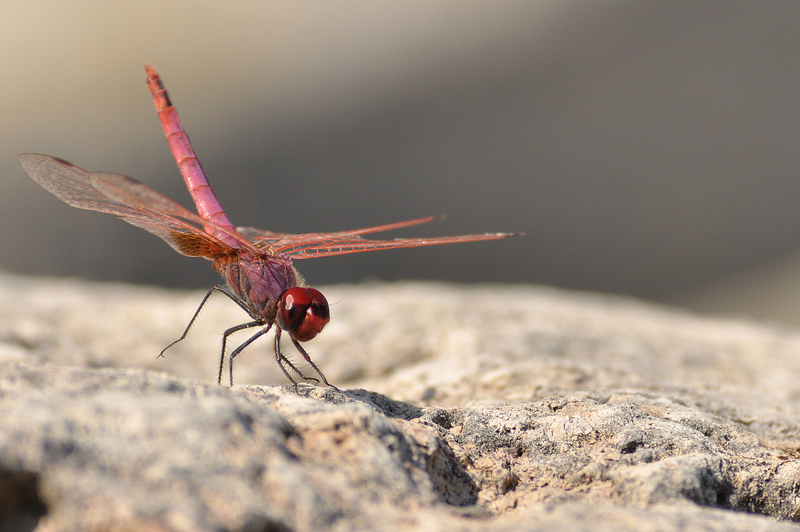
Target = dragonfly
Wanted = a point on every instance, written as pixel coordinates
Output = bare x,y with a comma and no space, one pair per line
255,264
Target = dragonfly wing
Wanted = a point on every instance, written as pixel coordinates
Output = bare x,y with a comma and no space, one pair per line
65,181
329,244
260,237
265,239
390,227
183,237
74,186
132,193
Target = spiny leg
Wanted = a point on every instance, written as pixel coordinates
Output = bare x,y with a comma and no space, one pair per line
239,349
308,359
215,288
191,321
280,358
225,335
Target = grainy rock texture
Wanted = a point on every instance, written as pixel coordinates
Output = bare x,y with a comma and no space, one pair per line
459,408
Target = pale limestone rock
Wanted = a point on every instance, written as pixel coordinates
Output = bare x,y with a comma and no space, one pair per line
461,408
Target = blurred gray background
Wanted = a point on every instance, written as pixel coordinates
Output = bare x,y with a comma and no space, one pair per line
646,148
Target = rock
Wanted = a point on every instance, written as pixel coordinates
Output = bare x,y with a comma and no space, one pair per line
460,408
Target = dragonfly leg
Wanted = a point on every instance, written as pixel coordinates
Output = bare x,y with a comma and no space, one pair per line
281,359
249,341
191,321
308,359
225,335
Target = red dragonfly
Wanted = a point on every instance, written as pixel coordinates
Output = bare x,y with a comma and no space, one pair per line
256,264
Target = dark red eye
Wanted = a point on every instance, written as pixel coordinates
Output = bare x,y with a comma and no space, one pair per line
303,312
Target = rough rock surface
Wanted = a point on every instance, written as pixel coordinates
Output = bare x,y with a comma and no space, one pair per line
459,408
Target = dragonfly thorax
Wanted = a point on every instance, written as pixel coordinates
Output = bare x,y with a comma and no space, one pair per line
259,283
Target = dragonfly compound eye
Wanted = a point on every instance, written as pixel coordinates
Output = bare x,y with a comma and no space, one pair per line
303,312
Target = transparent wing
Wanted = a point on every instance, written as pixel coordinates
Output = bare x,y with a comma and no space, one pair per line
311,245
260,237
126,198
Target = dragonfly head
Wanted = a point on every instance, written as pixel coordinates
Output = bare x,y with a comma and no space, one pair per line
303,312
